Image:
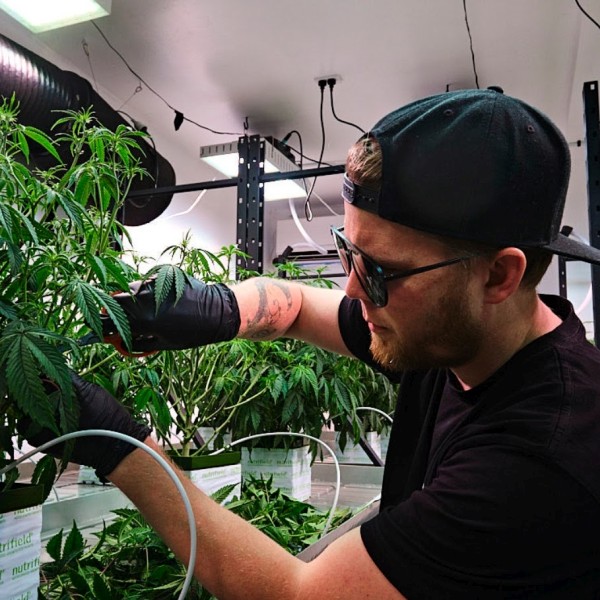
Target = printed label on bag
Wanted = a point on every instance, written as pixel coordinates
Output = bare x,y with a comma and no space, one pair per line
214,478
20,548
30,593
290,469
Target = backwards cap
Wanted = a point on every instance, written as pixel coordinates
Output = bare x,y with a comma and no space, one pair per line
476,165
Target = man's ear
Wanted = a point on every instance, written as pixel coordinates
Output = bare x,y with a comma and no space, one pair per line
504,274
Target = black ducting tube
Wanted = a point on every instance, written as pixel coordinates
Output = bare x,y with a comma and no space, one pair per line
41,89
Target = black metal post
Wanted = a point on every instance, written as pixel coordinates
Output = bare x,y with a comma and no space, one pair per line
562,266
251,203
592,136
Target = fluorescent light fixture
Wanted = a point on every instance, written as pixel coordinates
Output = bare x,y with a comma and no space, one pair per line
225,158
43,15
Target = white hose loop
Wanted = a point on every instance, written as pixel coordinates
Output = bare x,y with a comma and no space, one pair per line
301,229
588,296
381,412
163,463
310,437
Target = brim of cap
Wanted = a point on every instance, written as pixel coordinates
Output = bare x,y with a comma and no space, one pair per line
574,250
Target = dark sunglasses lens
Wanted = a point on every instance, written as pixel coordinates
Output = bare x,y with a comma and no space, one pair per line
367,272
343,252
371,280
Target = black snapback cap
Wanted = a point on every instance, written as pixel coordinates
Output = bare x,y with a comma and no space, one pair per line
476,165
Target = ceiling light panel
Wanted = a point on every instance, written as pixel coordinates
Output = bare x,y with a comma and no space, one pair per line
44,15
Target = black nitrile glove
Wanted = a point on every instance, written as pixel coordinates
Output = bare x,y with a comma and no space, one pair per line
203,315
98,410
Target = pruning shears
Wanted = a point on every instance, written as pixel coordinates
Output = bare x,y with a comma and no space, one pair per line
110,335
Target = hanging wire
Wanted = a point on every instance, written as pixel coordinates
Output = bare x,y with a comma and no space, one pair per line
300,152
470,43
178,114
307,209
335,115
138,89
285,139
86,49
308,158
587,15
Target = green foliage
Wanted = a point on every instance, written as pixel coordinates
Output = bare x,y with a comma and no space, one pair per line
130,562
369,389
300,384
293,524
58,259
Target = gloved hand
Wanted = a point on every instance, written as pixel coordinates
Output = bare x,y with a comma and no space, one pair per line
98,410
203,315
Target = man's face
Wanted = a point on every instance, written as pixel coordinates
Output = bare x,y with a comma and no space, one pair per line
432,319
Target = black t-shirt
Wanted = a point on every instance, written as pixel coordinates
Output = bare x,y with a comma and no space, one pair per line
493,492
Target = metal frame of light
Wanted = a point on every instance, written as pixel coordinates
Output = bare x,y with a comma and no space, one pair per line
44,15
225,158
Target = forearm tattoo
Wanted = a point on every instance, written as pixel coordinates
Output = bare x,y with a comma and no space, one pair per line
270,318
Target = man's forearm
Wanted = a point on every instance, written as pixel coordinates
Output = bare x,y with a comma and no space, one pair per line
272,308
233,558
268,307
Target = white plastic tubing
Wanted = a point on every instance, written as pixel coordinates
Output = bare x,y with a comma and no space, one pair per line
310,437
377,410
163,463
301,229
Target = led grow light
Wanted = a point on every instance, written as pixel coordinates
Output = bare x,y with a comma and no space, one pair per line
225,158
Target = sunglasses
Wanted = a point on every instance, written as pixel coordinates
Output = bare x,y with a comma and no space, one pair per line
370,275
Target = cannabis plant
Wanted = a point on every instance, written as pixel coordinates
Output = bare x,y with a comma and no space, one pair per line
185,390
129,560
60,259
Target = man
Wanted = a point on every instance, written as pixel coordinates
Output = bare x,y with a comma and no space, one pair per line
492,486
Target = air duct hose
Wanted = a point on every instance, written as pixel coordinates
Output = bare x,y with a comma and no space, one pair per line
42,90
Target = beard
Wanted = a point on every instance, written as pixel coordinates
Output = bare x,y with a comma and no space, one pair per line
447,335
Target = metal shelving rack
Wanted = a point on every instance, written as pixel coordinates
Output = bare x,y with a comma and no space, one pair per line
592,137
250,197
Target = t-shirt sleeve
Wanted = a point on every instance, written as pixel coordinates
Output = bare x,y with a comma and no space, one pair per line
491,524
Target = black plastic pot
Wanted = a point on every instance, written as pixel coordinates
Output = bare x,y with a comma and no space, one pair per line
20,496
204,461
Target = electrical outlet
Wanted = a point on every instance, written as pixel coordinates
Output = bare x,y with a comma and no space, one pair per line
337,78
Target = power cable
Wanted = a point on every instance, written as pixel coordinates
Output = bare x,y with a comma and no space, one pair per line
307,210
308,158
587,15
284,141
179,116
331,83
471,43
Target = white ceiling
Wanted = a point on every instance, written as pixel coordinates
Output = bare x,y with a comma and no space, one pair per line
221,61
